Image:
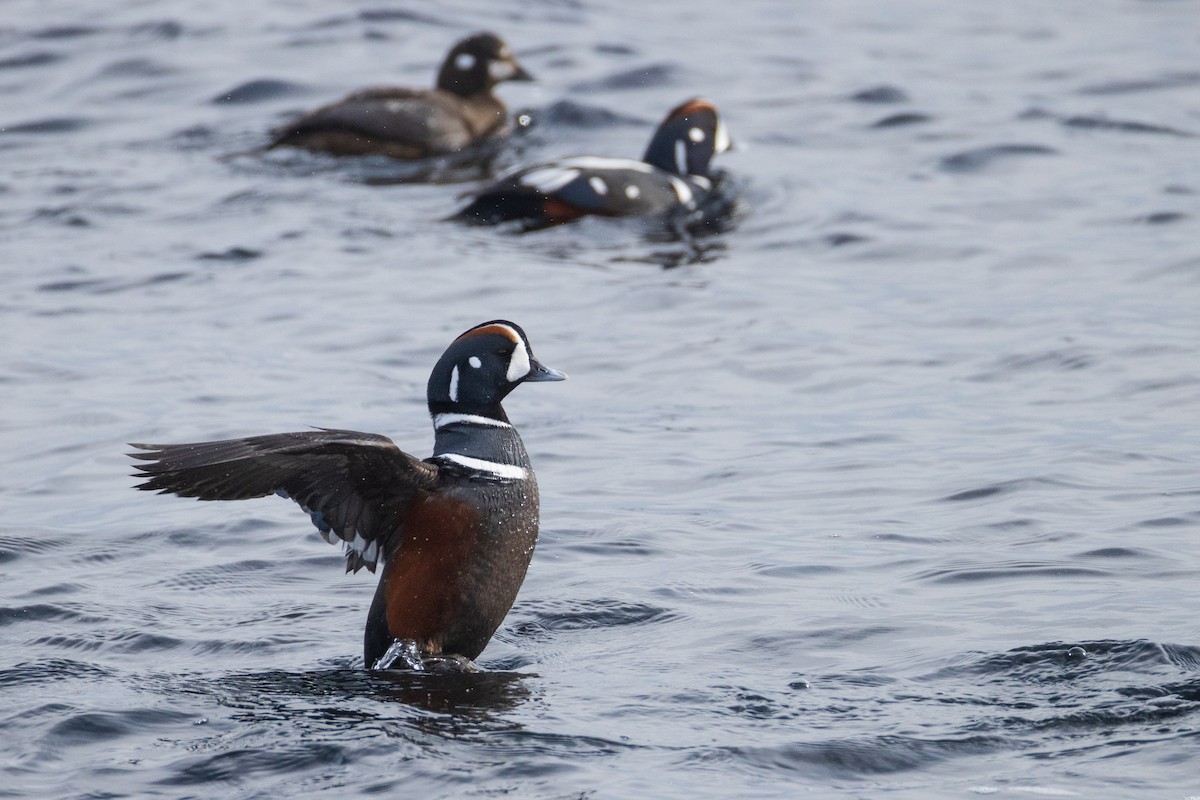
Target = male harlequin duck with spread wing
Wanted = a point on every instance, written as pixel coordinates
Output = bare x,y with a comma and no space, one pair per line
672,179
417,123
455,532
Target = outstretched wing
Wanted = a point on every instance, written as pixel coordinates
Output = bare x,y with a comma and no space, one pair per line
355,485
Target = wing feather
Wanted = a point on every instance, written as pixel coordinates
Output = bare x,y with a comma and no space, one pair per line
354,485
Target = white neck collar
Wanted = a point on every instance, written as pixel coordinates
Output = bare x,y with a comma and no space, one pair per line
442,420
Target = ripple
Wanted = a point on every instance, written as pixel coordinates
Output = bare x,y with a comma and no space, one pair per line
1116,552
1049,663
102,286
1162,218
37,59
637,78
984,492
45,612
117,641
64,32
981,158
597,614
880,755
241,576
236,765
34,542
1165,522
1054,360
881,94
1007,570
1098,123
258,91
103,726
233,254
51,670
50,125
137,68
902,119
1173,80
568,113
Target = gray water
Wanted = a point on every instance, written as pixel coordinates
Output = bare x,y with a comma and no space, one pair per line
889,491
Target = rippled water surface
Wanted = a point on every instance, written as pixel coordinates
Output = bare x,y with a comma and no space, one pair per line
890,490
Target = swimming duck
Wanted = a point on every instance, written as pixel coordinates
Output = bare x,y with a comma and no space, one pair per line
672,179
404,123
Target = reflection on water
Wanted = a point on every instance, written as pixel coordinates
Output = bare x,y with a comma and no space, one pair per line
332,698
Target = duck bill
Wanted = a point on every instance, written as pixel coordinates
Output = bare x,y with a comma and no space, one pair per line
539,372
521,74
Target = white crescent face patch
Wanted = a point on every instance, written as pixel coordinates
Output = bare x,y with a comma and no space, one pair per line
518,364
723,141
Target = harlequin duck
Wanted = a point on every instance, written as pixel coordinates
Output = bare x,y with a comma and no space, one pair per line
455,532
417,123
671,179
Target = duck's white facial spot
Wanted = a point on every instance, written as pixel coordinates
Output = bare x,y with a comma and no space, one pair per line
454,384
696,135
598,185
518,364
632,192
475,362
464,61
681,157
501,70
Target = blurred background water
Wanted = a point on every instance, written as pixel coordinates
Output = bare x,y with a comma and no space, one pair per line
891,490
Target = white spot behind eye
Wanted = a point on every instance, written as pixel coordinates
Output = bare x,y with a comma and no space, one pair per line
598,185
518,365
696,135
454,384
632,192
464,61
475,362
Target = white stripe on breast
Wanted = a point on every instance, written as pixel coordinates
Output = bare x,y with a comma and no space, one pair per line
510,471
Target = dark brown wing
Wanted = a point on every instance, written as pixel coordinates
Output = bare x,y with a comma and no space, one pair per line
355,485
416,124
